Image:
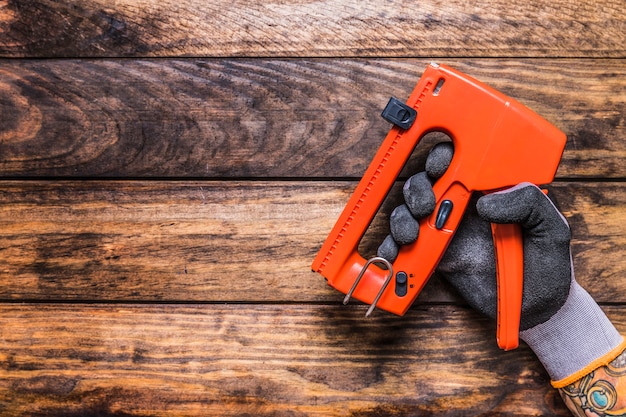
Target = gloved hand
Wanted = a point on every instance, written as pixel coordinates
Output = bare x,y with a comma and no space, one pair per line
560,321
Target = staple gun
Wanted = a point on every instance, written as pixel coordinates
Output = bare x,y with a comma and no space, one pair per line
498,143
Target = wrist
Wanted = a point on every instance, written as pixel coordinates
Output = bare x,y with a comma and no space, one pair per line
576,340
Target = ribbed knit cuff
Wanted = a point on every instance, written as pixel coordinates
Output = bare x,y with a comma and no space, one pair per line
576,340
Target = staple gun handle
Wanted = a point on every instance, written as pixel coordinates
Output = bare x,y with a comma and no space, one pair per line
508,244
452,199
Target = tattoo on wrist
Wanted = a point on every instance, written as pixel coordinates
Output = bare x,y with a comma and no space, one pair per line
600,393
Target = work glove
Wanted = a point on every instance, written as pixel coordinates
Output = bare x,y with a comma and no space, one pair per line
560,321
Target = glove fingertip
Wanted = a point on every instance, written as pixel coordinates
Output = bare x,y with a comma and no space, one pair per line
404,227
388,249
439,159
419,196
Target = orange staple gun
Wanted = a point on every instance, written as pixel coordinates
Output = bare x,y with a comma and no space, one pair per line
498,143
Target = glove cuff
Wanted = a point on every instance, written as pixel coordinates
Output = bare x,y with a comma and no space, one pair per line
576,340
598,363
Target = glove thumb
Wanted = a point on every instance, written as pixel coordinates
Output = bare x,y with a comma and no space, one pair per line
547,261
528,206
562,324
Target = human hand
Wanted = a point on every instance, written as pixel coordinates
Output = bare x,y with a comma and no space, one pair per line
469,263
558,316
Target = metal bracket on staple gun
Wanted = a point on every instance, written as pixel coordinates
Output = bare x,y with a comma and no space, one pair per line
373,260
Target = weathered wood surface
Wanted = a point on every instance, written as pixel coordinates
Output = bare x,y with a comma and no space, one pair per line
270,118
230,242
430,28
265,360
168,170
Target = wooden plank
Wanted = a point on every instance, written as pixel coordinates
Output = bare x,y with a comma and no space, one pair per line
197,239
270,118
43,28
230,241
264,361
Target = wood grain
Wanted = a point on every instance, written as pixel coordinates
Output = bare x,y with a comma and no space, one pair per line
517,28
263,360
168,170
270,118
230,242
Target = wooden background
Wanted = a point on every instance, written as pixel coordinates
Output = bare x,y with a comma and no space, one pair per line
169,169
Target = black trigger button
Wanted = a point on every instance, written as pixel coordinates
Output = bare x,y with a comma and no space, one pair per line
445,208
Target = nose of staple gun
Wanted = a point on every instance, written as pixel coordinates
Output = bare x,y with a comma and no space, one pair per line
399,114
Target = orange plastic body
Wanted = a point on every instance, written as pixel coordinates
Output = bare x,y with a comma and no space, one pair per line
498,143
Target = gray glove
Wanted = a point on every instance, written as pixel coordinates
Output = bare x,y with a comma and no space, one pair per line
560,321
